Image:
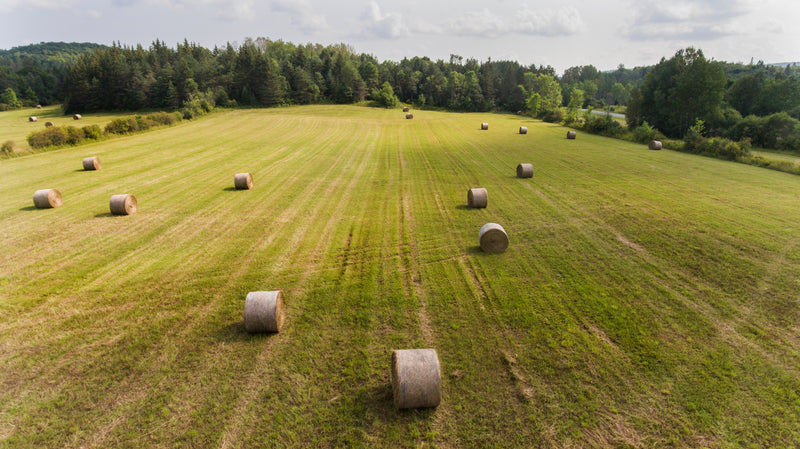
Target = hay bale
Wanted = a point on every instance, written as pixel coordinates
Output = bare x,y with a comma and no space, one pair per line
49,124
519,112
525,171
405,109
32,118
124,204
47,198
263,311
416,378
477,197
571,135
523,130
38,106
493,238
76,117
655,145
409,116
91,163
484,126
243,181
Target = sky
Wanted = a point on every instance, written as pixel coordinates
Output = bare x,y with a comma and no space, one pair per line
560,34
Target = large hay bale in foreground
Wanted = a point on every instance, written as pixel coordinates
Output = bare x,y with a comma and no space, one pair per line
405,109
493,238
47,198
655,145
243,181
523,130
409,116
123,204
91,163
571,135
477,197
416,378
32,118
525,171
76,117
263,311
484,126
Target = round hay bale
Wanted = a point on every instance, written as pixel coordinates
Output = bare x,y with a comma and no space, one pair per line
243,181
484,126
47,198
571,135
493,238
405,109
76,117
416,378
91,163
477,197
655,145
32,118
525,171
519,112
49,124
124,204
38,106
409,116
523,130
263,311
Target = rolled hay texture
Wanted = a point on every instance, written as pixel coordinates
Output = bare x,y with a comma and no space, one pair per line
655,145
124,204
409,116
416,378
263,311
32,119
405,109
477,197
38,106
47,198
76,117
493,238
571,135
525,171
49,124
91,163
243,181
484,126
523,130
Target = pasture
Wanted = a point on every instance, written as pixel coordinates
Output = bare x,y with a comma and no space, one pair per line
646,299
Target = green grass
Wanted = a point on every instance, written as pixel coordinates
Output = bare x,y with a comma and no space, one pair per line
647,299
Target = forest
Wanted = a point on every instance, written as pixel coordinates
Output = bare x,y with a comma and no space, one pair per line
754,102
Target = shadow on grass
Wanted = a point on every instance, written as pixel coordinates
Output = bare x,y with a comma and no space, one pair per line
229,189
475,250
106,214
30,208
465,207
235,332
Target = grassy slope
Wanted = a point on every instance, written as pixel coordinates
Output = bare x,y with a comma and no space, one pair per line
647,298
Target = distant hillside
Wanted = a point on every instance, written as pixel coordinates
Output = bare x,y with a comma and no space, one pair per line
45,54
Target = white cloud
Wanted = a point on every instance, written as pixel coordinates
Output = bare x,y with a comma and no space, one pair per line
384,26
239,10
686,19
544,22
94,14
301,14
563,22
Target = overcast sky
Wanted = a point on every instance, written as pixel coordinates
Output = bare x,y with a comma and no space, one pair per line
558,33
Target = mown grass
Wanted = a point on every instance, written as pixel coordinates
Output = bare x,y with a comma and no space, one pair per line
647,298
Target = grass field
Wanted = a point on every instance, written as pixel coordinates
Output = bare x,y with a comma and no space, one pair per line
647,298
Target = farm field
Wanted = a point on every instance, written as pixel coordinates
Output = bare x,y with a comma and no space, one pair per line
646,299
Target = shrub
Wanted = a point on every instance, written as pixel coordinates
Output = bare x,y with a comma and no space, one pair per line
7,147
74,135
92,132
645,133
603,125
123,125
53,136
161,118
554,116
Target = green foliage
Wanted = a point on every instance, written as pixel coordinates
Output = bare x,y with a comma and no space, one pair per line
779,131
7,147
124,125
53,136
602,124
717,147
92,132
8,100
644,133
385,96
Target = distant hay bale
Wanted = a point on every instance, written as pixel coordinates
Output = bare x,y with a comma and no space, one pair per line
477,197
523,130
47,198
571,135
263,311
525,171
484,126
493,238
38,106
91,163
409,116
124,204
519,112
243,181
416,378
76,117
405,109
49,124
32,118
655,145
